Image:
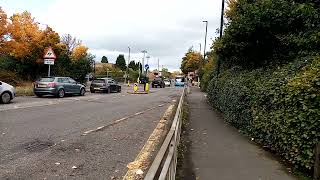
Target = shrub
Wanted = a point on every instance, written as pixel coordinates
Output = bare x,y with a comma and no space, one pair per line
9,77
279,107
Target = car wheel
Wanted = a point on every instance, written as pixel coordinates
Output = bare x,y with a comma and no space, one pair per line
119,89
61,93
92,91
38,95
5,97
82,92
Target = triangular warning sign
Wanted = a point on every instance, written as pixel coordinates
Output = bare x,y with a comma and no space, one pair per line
49,54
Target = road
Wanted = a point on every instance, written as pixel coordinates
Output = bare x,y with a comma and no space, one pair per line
90,137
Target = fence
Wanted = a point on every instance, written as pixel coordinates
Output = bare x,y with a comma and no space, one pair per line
165,163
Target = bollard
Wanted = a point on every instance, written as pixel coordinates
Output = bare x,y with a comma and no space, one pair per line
128,83
147,87
135,87
316,174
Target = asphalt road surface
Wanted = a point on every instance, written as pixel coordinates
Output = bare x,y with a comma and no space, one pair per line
90,137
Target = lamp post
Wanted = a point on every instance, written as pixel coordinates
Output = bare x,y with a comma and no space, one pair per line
127,73
144,54
205,40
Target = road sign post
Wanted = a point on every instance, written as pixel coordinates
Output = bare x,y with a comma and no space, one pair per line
49,58
147,68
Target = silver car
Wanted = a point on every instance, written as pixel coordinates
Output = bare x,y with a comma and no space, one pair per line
7,92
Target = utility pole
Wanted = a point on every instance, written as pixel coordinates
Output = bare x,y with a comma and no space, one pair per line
144,54
158,65
221,31
200,47
205,40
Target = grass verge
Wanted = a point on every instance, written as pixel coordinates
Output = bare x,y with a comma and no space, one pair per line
24,89
183,164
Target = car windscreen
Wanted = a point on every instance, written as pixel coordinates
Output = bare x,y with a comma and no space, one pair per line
180,79
46,79
98,81
158,79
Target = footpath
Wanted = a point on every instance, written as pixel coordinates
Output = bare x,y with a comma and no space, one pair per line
219,152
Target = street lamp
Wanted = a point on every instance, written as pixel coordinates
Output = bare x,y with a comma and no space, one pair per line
205,40
127,73
144,54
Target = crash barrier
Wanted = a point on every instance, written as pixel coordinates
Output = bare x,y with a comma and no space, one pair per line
164,165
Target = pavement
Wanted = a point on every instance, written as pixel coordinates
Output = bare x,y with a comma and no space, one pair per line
219,152
78,137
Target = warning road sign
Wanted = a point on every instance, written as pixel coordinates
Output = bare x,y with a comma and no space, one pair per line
49,61
49,54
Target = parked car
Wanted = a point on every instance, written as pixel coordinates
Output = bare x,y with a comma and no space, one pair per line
104,85
7,92
158,81
58,86
167,82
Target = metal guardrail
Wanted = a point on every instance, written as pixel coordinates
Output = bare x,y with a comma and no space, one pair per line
165,163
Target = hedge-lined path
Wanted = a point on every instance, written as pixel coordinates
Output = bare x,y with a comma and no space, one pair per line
219,152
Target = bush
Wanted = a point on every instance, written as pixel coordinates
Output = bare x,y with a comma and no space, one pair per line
206,74
279,107
9,77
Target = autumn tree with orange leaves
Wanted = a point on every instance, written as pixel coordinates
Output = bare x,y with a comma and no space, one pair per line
22,45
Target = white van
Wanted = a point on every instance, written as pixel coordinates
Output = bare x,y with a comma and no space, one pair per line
7,92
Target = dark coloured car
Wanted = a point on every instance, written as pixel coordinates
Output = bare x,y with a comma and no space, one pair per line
58,86
158,82
104,85
143,80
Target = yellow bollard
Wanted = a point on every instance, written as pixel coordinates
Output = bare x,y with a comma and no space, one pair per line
147,87
135,87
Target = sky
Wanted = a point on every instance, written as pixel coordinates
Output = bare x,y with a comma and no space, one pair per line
166,29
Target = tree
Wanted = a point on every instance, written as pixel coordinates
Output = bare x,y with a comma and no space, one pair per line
3,30
268,32
133,65
104,59
79,52
121,62
81,67
191,61
139,66
165,73
24,35
70,42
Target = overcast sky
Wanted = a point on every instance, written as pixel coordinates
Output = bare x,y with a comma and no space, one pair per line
165,28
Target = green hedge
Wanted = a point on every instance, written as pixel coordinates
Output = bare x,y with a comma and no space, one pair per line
279,106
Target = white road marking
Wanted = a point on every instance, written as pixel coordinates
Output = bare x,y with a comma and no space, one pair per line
44,102
101,127
120,120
